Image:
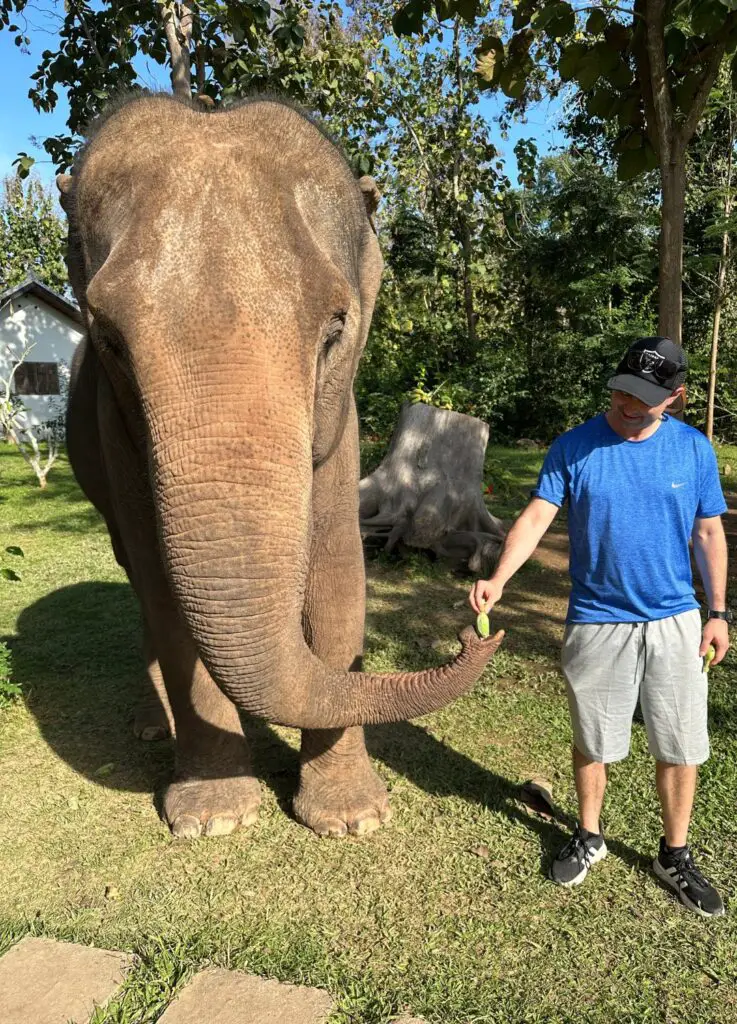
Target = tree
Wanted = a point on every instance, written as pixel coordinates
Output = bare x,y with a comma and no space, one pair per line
646,72
24,437
215,51
32,235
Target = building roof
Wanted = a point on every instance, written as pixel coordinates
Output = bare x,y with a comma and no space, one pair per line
32,286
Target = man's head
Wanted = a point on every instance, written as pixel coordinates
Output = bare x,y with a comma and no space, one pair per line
647,381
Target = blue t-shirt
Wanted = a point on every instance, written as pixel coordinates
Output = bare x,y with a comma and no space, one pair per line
631,510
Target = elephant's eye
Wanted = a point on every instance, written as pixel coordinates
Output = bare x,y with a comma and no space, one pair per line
333,331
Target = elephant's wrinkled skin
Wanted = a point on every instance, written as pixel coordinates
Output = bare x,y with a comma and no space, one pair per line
227,270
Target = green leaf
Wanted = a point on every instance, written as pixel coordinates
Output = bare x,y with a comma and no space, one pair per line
631,163
620,77
597,22
675,42
408,19
708,17
601,103
570,59
24,163
10,574
486,65
588,73
13,549
512,82
562,22
468,10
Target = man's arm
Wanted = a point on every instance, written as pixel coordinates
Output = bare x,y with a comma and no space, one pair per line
519,544
710,552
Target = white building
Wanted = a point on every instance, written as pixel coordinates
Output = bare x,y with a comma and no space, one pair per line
48,327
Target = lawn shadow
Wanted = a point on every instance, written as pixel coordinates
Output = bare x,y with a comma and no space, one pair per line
411,751
77,657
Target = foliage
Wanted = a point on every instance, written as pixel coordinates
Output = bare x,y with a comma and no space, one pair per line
32,235
510,303
231,48
9,690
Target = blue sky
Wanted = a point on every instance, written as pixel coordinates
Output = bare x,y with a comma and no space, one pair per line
20,123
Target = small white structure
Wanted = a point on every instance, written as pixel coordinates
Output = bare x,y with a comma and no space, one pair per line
48,326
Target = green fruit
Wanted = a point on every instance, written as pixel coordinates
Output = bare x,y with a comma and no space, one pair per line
482,624
709,657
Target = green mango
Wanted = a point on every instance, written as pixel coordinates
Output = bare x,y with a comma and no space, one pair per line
482,624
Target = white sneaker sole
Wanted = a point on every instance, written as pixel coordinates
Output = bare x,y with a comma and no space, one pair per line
596,856
663,875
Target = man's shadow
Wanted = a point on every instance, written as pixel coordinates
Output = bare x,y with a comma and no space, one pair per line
78,660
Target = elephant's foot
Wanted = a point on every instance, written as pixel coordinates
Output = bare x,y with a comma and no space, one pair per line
151,722
211,807
339,791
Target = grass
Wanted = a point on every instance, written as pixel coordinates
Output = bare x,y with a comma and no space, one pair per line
409,919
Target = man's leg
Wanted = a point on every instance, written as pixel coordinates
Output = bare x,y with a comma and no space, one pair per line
674,704
676,788
591,779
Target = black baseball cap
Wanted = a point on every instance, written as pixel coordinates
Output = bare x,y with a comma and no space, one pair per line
651,370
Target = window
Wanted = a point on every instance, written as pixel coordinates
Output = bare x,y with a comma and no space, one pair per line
36,379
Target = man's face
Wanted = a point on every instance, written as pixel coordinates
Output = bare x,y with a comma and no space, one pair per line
632,416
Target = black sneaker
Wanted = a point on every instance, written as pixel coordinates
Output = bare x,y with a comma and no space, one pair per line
581,851
678,871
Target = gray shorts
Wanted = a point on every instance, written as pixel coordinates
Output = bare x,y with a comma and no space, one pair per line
608,665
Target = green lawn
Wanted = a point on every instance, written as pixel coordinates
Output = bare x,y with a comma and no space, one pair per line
418,916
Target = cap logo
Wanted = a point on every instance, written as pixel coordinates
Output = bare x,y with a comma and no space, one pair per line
650,361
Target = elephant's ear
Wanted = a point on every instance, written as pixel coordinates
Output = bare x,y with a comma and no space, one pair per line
371,197
64,184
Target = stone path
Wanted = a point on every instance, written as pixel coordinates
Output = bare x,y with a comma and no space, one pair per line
48,982
229,997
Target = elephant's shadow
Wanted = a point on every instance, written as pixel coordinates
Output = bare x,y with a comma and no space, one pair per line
78,659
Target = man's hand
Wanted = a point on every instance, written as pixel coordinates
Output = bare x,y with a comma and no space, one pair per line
485,594
716,632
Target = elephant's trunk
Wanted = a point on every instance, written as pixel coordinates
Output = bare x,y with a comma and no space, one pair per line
235,521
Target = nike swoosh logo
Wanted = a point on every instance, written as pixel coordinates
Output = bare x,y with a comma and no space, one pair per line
679,485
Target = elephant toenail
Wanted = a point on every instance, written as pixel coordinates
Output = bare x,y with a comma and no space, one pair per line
221,825
364,826
186,826
154,732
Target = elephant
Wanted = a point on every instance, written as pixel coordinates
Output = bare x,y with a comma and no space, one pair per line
226,267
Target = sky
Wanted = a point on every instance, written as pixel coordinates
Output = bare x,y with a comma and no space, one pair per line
20,123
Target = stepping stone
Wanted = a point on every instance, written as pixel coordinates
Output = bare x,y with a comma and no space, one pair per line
47,982
230,997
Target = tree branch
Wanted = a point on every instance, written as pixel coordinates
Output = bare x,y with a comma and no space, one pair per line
178,39
654,11
642,63
702,95
90,38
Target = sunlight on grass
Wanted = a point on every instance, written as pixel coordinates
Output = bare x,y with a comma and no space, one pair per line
411,918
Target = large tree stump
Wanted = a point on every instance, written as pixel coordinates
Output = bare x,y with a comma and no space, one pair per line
427,492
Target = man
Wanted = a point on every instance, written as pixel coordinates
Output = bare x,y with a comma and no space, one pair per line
638,484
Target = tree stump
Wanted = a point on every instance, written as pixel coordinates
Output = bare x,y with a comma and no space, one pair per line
427,492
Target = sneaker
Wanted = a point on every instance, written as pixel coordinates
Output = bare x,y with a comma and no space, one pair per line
677,870
581,851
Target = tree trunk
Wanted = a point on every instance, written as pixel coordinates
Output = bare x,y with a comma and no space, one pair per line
721,278
718,302
673,179
427,493
178,25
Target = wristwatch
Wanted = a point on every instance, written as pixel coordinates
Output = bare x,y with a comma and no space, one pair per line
726,615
